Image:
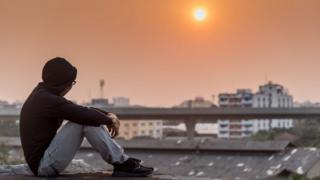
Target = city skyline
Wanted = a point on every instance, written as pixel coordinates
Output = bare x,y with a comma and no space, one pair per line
121,101
155,53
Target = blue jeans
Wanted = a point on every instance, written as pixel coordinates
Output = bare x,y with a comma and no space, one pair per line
67,141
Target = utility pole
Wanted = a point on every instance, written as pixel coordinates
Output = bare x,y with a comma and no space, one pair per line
102,83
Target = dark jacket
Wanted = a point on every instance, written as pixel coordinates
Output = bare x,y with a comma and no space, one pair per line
41,116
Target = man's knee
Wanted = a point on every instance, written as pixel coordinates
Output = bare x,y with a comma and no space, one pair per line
94,128
73,125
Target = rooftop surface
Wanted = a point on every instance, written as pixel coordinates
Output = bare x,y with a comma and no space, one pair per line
186,145
78,176
203,159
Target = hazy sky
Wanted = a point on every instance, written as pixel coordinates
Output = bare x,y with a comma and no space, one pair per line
154,52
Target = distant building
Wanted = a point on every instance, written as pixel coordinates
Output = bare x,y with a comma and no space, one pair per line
100,103
242,98
202,129
206,128
6,107
137,128
121,102
235,128
198,102
269,95
4,103
272,95
17,104
307,104
140,128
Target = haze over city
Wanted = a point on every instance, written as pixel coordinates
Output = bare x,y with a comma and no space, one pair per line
157,52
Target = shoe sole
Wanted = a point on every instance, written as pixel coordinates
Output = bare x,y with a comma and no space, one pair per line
127,174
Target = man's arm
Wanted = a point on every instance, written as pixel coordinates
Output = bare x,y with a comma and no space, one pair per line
81,114
100,110
113,128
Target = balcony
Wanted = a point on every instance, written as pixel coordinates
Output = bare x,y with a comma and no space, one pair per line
223,122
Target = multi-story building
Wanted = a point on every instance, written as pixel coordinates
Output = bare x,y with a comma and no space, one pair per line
235,128
197,102
272,95
242,98
140,128
137,128
268,96
121,102
100,103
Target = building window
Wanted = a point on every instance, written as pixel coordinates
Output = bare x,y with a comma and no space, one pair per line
150,123
223,132
223,125
266,124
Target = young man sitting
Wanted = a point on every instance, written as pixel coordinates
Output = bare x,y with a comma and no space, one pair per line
49,152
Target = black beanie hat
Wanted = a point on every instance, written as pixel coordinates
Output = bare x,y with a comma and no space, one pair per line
58,71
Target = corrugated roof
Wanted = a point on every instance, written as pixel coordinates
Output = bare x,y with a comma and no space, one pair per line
215,164
196,145
244,145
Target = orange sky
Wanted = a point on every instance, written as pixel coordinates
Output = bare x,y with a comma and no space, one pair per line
155,53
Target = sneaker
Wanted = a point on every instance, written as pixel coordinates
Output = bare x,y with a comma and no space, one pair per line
131,168
139,161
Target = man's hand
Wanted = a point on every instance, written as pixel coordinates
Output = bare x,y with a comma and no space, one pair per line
114,127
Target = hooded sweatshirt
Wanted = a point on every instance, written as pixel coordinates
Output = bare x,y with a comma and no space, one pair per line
42,115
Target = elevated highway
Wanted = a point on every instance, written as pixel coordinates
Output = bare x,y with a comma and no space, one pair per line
193,115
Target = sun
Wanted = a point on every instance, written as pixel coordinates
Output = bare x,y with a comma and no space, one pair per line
200,14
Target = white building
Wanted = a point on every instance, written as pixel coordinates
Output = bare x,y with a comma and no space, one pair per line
201,128
272,96
268,96
235,128
121,102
